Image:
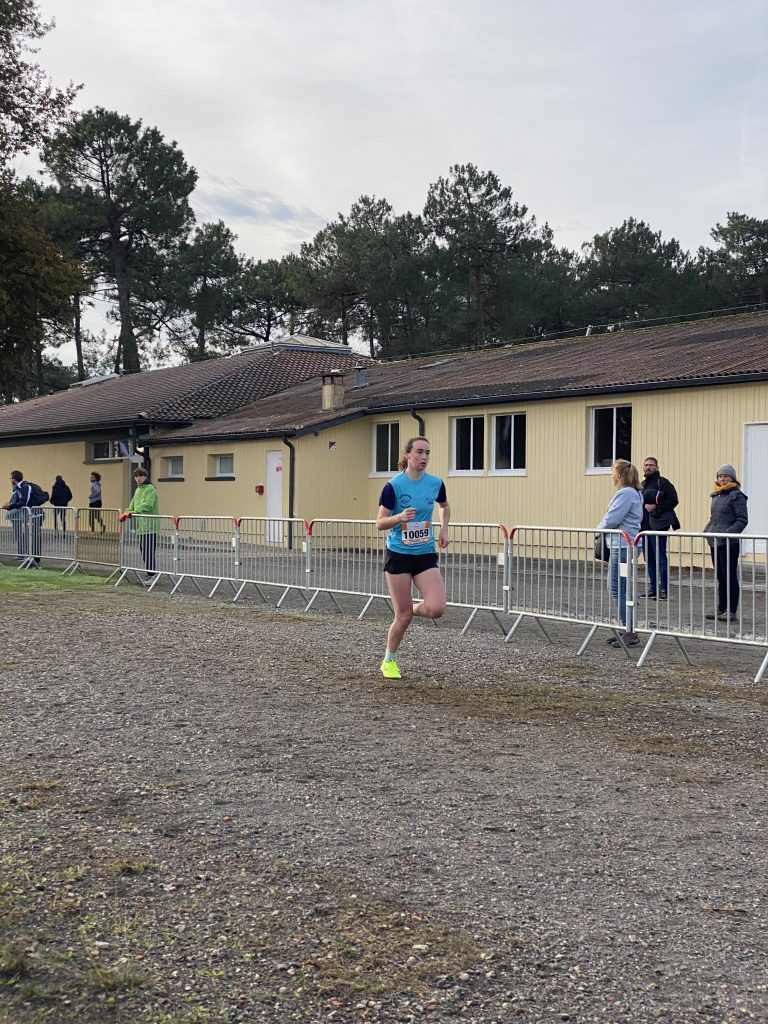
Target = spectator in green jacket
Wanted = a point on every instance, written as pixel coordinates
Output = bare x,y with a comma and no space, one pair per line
145,506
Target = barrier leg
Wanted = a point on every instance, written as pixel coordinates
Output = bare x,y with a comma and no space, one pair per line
368,604
683,651
470,620
540,624
761,671
588,640
511,633
122,576
647,649
311,600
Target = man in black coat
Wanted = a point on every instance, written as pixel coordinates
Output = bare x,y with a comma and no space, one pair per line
659,504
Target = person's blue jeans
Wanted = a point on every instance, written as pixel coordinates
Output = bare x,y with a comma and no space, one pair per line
652,546
617,585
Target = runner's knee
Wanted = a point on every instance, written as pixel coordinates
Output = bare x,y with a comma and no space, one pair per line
403,617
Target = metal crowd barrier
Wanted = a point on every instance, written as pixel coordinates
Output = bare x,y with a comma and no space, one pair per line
148,548
15,536
347,557
475,570
206,549
713,585
553,574
33,535
96,538
272,553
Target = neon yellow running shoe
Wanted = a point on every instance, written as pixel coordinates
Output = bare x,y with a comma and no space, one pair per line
390,670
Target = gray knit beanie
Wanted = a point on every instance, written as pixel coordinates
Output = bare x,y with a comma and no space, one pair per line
727,470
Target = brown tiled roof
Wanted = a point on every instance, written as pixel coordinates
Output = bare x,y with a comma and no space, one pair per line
676,355
178,393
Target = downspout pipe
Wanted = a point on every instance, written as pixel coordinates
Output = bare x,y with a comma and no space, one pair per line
291,487
420,421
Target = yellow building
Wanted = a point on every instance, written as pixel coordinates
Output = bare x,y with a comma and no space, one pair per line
102,424
520,433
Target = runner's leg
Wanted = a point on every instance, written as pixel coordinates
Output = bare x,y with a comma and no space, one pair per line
432,589
399,585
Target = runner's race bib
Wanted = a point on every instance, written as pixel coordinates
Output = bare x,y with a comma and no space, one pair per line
417,533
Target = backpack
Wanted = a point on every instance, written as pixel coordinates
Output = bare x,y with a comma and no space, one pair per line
37,496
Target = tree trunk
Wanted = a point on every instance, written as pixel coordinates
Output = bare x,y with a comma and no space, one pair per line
128,346
79,338
480,312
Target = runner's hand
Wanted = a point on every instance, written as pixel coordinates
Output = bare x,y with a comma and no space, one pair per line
444,540
407,514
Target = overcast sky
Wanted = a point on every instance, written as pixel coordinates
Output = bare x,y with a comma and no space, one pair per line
592,111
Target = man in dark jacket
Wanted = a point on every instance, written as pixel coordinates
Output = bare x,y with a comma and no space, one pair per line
61,496
659,504
22,497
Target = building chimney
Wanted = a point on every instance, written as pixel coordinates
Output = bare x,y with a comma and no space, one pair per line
360,381
333,389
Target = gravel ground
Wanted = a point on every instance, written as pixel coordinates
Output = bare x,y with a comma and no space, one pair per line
217,813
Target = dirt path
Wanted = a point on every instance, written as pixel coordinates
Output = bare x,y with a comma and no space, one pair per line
213,813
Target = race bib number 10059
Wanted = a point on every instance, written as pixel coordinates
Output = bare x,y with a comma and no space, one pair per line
417,533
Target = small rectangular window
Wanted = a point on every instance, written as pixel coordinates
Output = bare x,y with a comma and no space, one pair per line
102,450
611,435
469,444
386,441
225,465
509,443
174,465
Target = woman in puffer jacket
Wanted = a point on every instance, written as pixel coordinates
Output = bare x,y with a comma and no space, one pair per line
728,514
623,513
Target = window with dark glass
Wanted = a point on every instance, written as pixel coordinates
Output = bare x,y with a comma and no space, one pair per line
387,447
469,443
509,442
611,435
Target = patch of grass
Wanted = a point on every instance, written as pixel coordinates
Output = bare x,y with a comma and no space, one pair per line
14,962
129,867
122,978
520,703
667,745
30,581
40,785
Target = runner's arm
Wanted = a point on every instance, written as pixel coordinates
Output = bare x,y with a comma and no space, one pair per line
385,520
444,515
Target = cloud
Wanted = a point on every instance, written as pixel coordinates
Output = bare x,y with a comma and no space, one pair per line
255,213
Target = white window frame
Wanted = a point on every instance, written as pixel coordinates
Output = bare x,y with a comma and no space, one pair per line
384,472
114,448
493,471
169,474
217,471
592,469
454,423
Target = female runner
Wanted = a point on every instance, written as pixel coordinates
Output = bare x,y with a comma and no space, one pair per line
406,508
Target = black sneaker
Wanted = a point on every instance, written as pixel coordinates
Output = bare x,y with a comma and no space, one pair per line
713,615
629,639
662,595
725,617
651,595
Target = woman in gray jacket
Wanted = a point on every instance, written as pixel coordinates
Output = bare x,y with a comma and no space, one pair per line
624,513
728,514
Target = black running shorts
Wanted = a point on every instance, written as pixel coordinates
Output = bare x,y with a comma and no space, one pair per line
395,563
